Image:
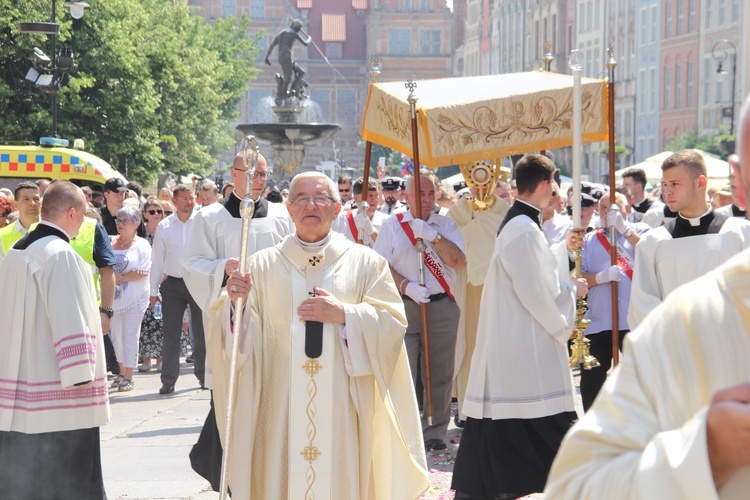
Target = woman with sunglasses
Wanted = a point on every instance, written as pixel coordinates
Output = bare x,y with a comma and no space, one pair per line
151,328
132,265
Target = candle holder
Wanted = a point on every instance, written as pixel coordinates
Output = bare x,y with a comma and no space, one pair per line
579,351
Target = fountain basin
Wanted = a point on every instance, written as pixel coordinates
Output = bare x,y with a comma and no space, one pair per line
288,133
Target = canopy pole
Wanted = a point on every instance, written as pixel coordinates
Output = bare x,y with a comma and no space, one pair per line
611,64
420,247
363,205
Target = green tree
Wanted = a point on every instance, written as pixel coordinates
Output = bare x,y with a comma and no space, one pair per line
714,144
145,70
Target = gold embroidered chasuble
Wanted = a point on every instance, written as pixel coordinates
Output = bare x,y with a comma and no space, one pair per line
344,425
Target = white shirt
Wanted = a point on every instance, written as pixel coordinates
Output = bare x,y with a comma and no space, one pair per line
395,246
166,254
341,225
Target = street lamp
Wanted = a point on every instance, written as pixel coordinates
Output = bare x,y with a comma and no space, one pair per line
51,74
720,54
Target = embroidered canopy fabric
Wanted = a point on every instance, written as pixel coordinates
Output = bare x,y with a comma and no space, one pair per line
462,120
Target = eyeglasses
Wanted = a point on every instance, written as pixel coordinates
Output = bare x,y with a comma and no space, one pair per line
153,212
319,200
256,174
167,212
123,221
344,190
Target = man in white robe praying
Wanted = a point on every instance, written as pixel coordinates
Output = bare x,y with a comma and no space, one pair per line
325,405
53,382
673,420
520,398
695,242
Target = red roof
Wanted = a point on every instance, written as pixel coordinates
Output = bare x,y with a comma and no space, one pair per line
359,4
334,27
304,4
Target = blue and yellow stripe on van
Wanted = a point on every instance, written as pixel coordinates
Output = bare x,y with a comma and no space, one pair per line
54,163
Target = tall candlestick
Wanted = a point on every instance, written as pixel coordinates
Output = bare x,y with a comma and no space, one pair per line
575,66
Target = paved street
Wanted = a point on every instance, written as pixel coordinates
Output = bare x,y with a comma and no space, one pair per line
146,444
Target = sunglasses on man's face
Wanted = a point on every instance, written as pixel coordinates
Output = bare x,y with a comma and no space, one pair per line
154,212
167,212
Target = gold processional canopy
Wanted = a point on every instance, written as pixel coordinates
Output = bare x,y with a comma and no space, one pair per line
466,119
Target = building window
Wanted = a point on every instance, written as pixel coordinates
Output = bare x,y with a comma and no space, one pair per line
667,86
644,26
429,42
654,85
346,107
668,20
654,24
398,42
642,93
707,77
323,98
678,86
228,8
691,16
257,9
709,9
721,12
680,16
690,84
333,50
735,11
597,10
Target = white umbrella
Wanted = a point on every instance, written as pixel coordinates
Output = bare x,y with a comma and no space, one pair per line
716,167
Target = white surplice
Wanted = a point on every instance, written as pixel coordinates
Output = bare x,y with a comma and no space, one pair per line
663,263
645,436
51,341
479,230
520,364
344,425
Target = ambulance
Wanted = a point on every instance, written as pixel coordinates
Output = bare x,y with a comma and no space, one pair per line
52,159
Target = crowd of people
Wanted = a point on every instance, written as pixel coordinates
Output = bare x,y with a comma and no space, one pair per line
352,345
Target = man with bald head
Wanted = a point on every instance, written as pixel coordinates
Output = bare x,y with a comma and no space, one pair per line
683,386
211,254
53,383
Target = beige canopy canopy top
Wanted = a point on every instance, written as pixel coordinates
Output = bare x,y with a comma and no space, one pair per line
466,119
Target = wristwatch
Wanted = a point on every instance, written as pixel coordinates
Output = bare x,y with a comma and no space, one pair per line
437,238
107,310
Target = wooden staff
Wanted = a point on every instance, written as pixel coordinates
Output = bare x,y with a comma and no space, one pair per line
363,205
611,63
249,149
420,247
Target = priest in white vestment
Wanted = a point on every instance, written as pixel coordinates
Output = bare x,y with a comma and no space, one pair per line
673,420
210,255
479,230
520,398
53,381
695,242
325,404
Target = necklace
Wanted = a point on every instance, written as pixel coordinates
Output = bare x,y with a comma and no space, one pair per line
121,244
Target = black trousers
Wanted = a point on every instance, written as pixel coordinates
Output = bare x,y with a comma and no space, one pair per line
593,380
64,465
175,298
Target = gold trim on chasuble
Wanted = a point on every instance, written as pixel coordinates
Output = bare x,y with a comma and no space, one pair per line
311,396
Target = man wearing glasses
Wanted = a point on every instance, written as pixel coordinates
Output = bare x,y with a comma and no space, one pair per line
345,189
307,324
211,255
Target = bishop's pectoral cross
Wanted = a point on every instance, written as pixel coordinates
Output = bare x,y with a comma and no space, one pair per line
313,329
